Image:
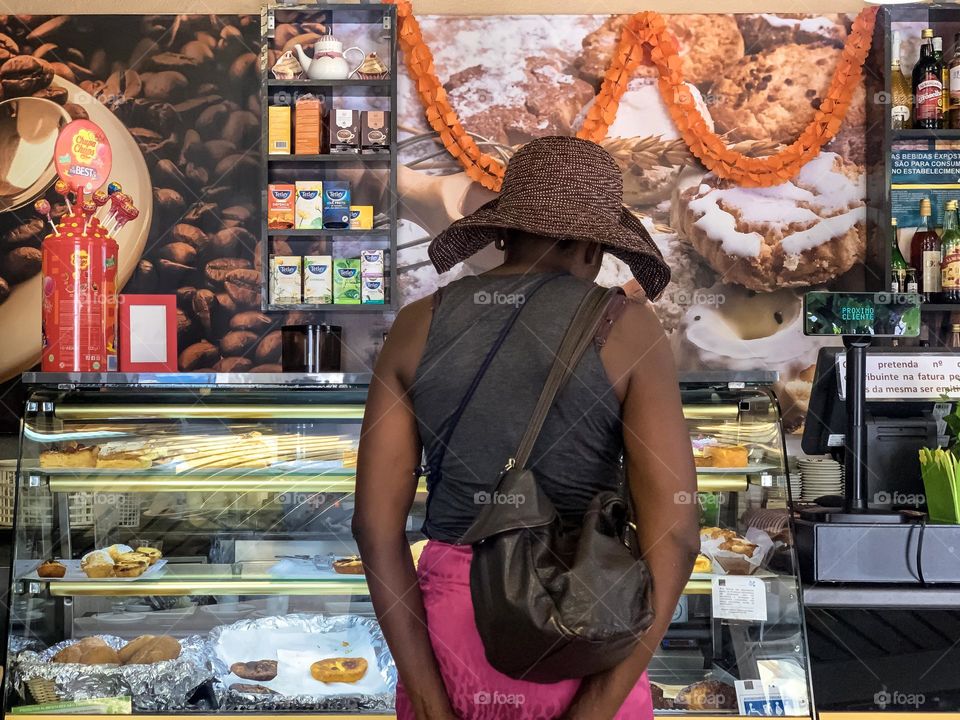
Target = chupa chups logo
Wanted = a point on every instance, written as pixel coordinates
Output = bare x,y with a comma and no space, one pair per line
309,194
336,194
317,268
347,272
287,269
281,194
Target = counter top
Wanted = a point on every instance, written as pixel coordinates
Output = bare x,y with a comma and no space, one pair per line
881,596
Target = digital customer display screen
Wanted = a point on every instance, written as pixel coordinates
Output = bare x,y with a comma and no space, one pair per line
874,314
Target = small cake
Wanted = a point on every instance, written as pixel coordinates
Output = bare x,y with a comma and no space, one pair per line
255,669
348,566
115,551
739,546
344,670
702,564
97,564
52,569
131,565
152,554
715,533
728,456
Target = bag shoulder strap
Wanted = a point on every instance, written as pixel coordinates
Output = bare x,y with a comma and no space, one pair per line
581,332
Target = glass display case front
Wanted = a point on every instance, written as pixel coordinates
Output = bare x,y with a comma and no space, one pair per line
736,645
190,547
183,545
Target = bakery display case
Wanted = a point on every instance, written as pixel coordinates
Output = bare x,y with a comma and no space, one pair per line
736,645
183,544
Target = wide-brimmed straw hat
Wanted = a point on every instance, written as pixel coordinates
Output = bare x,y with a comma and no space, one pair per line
559,187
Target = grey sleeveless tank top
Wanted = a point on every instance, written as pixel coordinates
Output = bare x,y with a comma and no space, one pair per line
579,450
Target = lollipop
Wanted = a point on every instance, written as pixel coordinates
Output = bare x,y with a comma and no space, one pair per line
88,208
43,207
117,202
63,189
127,213
114,187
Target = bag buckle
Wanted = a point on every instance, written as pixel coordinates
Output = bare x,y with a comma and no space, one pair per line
511,463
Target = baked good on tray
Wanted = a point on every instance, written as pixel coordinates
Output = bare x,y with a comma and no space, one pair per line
152,554
739,546
706,695
715,533
804,232
89,651
149,649
344,670
97,564
255,669
348,566
52,569
702,564
131,565
659,701
70,455
727,456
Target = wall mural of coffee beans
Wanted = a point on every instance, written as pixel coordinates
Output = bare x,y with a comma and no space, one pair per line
186,88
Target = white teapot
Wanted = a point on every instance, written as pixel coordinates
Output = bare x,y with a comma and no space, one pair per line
328,61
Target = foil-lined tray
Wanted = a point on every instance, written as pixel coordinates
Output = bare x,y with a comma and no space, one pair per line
157,687
312,624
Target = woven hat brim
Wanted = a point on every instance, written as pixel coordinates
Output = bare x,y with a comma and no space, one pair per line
627,240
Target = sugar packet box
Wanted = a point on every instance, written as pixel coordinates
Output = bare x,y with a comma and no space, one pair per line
318,279
309,204
346,281
372,289
285,279
336,204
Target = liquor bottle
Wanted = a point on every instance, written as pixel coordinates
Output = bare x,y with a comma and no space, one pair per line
898,265
950,265
944,77
927,87
954,107
900,90
955,336
925,254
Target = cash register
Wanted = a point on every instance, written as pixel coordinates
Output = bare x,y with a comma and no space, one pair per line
864,412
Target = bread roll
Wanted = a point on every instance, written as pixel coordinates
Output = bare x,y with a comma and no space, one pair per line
134,646
70,655
105,655
160,648
345,670
52,569
89,651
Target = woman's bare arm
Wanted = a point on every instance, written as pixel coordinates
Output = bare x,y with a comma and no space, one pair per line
663,484
386,484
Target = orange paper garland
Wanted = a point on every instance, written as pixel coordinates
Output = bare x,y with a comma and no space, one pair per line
648,31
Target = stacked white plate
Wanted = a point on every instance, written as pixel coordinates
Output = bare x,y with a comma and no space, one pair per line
793,477
820,476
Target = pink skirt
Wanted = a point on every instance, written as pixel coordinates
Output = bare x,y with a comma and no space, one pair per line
476,690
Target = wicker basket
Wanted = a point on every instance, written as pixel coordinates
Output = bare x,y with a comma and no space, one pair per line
43,690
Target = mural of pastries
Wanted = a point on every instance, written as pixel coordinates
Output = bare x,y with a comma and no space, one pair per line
709,46
518,102
774,95
761,30
801,233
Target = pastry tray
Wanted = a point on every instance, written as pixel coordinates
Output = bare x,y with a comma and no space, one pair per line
75,574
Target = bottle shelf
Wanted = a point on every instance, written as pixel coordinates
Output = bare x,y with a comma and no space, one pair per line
332,308
944,134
